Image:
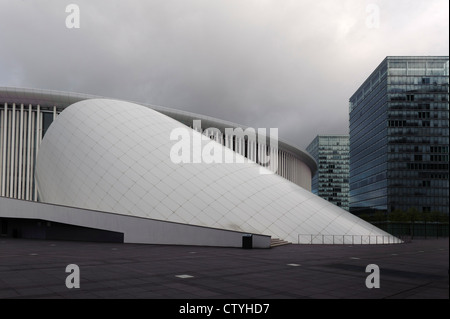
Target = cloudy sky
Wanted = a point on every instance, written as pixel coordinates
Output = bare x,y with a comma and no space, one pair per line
286,64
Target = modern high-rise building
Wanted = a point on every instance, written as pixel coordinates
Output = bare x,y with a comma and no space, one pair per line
399,137
330,182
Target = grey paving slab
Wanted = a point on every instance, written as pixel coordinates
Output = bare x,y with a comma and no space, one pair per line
35,269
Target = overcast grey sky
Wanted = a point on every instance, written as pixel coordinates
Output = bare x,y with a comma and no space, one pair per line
286,64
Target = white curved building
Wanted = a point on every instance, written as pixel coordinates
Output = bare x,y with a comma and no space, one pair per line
26,114
106,165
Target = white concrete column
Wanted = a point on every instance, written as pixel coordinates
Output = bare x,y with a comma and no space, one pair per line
288,166
262,154
24,151
269,156
272,159
38,142
286,156
19,184
38,128
275,164
279,163
13,148
4,148
8,149
31,167
28,165
295,169
17,167
1,149
251,150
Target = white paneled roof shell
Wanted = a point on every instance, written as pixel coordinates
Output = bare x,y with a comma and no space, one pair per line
47,99
114,156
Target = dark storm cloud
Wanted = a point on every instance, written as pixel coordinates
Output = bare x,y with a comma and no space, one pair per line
286,64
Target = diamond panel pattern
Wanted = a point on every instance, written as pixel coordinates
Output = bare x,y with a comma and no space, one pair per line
115,156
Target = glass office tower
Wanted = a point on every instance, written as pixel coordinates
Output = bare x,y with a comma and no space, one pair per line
330,182
399,137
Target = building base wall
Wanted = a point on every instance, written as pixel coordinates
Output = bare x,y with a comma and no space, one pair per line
34,220
41,229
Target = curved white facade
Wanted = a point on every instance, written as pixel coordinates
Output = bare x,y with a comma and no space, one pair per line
25,114
115,156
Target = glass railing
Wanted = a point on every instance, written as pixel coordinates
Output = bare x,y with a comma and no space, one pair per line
321,239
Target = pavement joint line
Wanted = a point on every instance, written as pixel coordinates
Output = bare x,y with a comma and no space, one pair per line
408,290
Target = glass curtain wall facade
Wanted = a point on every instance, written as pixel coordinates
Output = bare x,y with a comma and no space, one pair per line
331,180
399,137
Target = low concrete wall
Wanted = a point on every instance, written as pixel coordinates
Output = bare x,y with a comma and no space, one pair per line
135,229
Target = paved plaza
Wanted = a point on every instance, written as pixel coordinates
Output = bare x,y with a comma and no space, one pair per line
37,269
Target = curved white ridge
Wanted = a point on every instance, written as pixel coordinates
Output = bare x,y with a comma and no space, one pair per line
114,156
